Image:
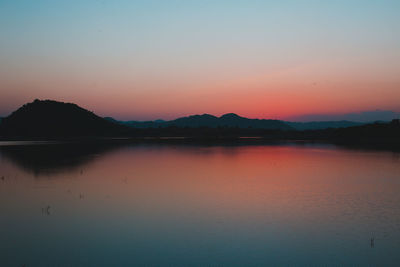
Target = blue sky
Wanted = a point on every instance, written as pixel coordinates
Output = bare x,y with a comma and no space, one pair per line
152,59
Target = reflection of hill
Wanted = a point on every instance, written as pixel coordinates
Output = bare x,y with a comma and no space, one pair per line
53,158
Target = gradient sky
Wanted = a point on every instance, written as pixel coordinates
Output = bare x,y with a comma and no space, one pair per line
164,59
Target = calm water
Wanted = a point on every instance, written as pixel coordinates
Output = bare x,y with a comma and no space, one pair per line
166,205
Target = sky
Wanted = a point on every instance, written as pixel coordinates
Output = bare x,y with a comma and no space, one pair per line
145,60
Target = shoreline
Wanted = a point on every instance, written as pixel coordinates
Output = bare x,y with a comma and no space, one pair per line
362,144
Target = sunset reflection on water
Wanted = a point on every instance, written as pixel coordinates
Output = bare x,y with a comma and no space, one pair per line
200,205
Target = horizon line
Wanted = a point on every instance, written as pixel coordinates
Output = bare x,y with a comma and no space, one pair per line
293,118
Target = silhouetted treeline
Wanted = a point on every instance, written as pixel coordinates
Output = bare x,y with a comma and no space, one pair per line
384,132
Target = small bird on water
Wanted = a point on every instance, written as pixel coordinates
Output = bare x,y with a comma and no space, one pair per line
46,210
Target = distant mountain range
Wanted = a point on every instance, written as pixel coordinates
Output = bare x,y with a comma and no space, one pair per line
229,120
233,120
49,119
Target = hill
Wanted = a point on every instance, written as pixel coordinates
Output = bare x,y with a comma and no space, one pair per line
49,119
232,120
229,120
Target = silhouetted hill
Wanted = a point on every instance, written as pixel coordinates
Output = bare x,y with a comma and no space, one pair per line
56,120
112,120
232,120
49,119
195,121
229,120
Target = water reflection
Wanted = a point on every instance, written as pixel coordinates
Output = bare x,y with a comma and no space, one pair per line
48,159
173,205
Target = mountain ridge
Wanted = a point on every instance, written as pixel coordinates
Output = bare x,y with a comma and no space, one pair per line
52,119
234,120
208,120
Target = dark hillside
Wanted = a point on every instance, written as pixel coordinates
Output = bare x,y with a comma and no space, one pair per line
50,119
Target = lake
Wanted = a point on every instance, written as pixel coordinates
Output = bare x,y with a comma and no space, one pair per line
198,205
